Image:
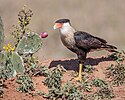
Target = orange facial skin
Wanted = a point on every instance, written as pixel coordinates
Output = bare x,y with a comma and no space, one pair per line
58,25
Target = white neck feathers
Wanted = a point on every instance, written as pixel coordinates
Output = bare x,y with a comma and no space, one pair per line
66,29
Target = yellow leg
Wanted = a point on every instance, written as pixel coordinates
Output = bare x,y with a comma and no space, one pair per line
79,78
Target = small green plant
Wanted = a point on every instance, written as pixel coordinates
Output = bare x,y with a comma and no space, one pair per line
56,91
54,94
30,69
41,71
85,85
118,56
89,69
116,74
67,92
30,60
71,92
7,72
31,64
40,93
26,84
53,82
54,78
99,83
104,93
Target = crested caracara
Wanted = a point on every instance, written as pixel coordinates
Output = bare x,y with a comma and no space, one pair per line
80,42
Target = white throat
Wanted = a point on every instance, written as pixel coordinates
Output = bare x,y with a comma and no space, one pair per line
66,29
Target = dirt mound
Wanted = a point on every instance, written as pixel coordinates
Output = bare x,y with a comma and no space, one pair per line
100,64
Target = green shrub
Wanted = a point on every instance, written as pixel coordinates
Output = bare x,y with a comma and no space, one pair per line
99,83
116,74
26,83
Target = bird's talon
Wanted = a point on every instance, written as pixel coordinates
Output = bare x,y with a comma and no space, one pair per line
78,78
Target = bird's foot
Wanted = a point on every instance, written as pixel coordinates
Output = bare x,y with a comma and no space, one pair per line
79,78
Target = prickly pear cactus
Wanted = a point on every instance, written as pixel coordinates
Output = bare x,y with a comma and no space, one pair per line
17,62
29,44
2,58
1,34
11,65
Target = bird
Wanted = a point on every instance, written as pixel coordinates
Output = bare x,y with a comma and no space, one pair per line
80,42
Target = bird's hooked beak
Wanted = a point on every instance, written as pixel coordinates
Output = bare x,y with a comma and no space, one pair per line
57,25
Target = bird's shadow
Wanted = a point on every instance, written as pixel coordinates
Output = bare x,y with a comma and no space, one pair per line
73,64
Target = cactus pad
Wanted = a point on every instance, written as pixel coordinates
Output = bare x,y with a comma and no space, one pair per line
17,63
11,65
1,34
29,44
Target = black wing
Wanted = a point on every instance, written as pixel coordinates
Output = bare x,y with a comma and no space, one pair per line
86,41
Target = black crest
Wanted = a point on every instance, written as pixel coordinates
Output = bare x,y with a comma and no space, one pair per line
63,21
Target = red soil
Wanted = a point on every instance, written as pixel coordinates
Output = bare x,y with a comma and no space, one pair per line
99,64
